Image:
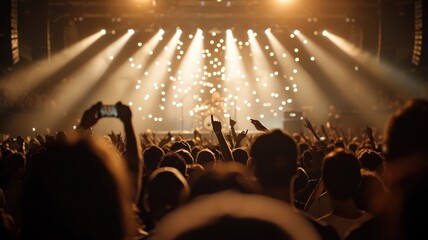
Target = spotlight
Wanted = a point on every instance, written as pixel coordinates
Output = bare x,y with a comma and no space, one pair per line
103,31
325,33
296,32
131,31
268,30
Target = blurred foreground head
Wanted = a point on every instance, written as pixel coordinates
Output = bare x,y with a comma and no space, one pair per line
234,215
78,189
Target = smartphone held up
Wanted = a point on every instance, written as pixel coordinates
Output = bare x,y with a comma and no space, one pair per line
107,111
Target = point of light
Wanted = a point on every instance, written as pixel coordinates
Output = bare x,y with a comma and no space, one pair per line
325,33
131,31
103,31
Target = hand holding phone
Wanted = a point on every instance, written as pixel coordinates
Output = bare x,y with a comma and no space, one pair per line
107,111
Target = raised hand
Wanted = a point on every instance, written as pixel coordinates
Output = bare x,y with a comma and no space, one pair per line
113,137
258,125
229,138
89,117
309,126
327,136
369,132
232,122
216,125
242,135
123,112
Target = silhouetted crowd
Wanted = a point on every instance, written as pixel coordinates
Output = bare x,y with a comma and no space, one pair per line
326,183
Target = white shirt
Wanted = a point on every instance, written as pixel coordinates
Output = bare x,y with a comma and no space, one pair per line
343,225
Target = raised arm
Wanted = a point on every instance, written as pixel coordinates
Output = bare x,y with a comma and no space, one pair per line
225,150
240,137
324,131
258,125
134,153
369,132
232,124
309,126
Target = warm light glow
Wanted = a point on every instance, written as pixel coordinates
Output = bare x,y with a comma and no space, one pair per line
43,70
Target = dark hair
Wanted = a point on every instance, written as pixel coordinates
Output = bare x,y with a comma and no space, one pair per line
231,228
302,147
274,157
166,190
205,156
177,145
195,151
78,189
403,128
341,174
225,176
370,160
152,156
240,155
186,156
173,159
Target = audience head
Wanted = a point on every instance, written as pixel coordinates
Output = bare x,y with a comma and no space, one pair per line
339,144
166,190
195,151
233,215
371,160
78,189
341,174
187,156
177,145
173,159
240,155
152,157
406,153
217,152
406,131
274,159
353,147
206,158
225,176
302,147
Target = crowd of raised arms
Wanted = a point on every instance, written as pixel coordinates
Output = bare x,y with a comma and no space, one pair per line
272,184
